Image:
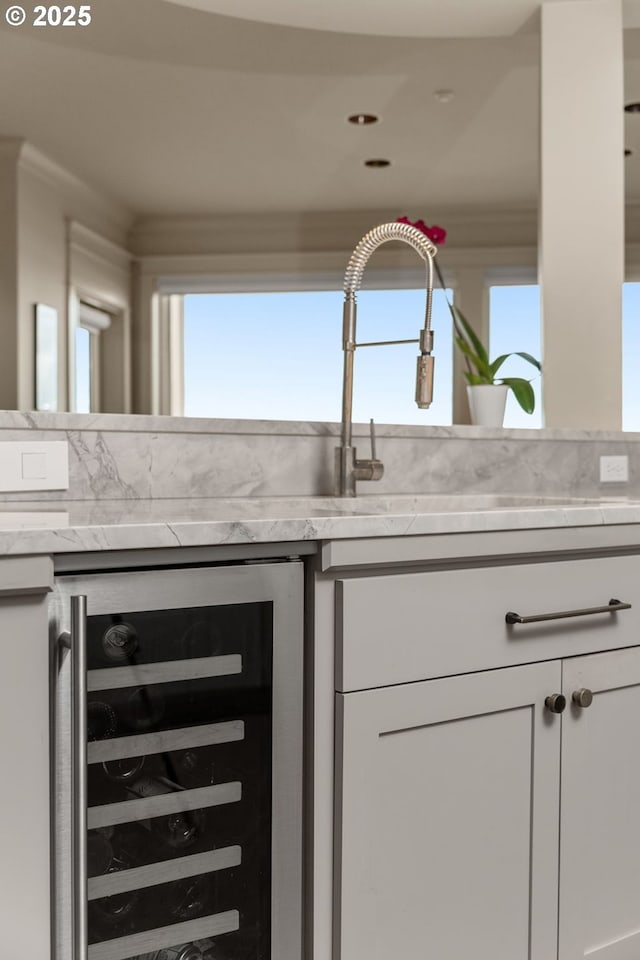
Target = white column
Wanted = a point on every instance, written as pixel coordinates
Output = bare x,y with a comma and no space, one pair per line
581,240
471,295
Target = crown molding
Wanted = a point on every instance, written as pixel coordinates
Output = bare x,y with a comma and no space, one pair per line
316,232
388,269
111,216
89,243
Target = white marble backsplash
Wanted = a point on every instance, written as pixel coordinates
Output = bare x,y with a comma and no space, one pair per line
126,457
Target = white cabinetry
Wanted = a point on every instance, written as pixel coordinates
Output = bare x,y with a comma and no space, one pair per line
600,810
471,820
24,756
449,834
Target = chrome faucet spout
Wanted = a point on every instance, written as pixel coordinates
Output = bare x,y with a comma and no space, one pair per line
348,468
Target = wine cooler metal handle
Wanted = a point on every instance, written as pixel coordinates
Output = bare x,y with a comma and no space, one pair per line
612,607
76,641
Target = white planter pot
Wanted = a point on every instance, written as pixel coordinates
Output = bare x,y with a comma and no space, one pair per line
487,403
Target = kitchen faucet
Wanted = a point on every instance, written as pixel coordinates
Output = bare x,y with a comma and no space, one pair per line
348,468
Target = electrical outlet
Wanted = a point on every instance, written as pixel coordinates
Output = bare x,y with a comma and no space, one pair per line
614,469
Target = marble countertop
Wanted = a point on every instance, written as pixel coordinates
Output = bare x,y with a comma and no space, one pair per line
79,526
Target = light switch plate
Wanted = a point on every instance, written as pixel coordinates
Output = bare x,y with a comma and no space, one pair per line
614,469
33,465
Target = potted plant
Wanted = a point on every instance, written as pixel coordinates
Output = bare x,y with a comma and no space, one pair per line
486,389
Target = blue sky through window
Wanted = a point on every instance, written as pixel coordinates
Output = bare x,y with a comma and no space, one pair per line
515,327
631,356
82,370
278,356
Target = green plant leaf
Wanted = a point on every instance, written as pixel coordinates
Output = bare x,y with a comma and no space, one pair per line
476,354
468,333
483,368
523,392
474,380
457,331
529,359
497,363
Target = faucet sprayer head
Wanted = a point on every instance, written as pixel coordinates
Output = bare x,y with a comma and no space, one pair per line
424,381
424,372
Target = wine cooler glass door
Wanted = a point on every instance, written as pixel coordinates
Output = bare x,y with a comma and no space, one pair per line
178,764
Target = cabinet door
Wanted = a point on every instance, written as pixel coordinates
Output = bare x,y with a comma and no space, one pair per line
600,807
24,759
447,818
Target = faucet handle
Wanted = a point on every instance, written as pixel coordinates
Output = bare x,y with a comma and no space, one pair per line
372,469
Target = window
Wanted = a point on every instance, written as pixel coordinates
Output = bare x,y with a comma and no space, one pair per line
514,313
92,322
82,370
278,356
630,356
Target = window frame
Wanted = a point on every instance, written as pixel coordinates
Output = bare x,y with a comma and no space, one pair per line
164,277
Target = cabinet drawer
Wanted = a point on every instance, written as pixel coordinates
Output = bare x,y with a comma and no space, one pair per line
396,629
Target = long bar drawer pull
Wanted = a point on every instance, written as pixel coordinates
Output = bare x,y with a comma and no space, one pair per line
612,607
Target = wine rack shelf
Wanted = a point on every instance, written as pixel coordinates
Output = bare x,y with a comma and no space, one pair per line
144,808
156,873
185,738
124,948
169,671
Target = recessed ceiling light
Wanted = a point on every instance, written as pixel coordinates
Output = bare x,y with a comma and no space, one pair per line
632,107
377,163
627,152
363,119
443,96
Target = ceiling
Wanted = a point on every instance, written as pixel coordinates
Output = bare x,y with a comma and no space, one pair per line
402,18
174,110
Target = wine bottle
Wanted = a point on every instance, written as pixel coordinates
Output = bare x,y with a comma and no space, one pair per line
198,950
110,915
143,707
120,711
200,639
187,899
210,950
186,951
193,768
120,642
123,769
130,843
179,829
99,854
102,721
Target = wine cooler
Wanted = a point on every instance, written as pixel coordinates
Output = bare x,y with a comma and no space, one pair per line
177,763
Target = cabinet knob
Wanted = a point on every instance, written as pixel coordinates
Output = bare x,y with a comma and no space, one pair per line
582,697
556,702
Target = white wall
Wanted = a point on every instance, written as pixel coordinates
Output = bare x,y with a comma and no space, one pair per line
8,273
39,201
42,269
